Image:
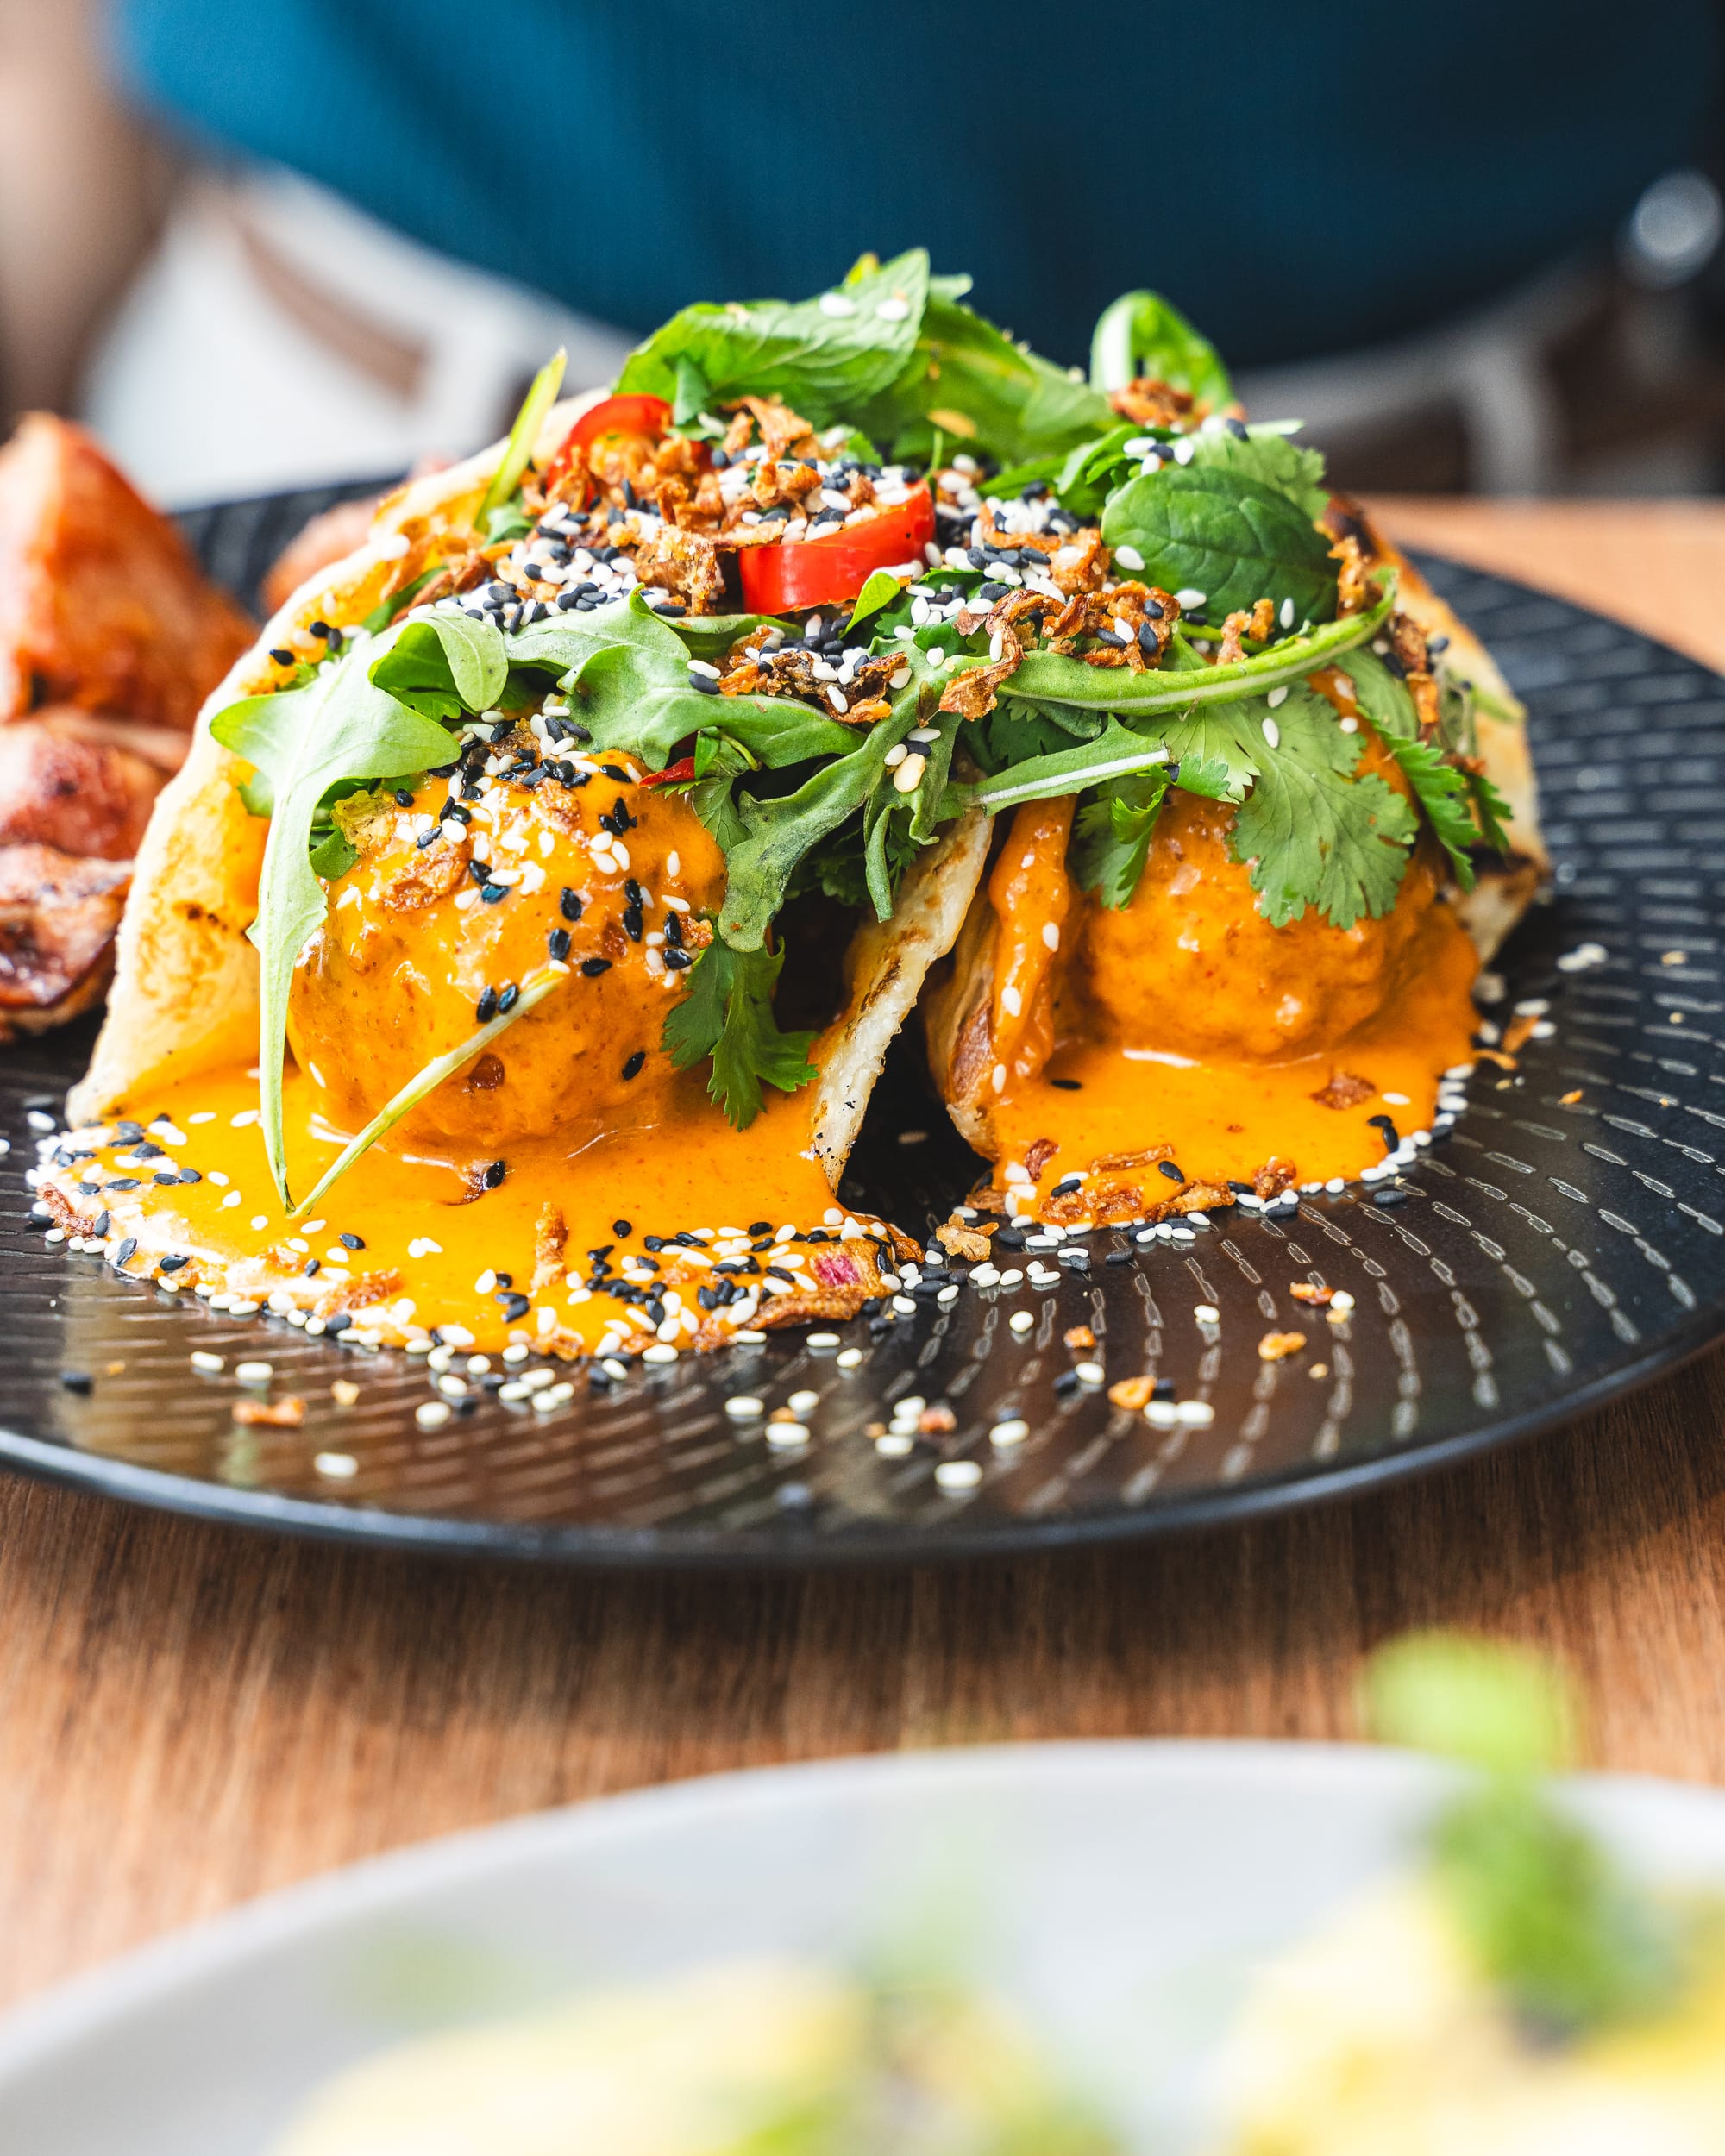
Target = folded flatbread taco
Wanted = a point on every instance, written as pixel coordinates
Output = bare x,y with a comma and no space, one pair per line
516,952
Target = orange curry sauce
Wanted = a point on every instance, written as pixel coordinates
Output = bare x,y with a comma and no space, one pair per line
515,1200
1184,1021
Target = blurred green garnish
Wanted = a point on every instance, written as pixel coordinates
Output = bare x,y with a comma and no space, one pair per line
1567,1939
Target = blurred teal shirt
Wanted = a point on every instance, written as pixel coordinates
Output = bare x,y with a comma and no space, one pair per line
1302,179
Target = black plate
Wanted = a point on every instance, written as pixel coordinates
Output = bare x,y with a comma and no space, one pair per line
1553,1253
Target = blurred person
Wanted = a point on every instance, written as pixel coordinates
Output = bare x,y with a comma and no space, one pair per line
399,205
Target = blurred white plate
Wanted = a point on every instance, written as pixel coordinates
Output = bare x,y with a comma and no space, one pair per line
1119,1892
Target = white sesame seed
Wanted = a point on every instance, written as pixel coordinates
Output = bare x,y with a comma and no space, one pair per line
1013,1431
787,1436
1272,733
956,1474
253,1373
1207,1314
1276,699
341,1466
837,303
848,1358
1022,1321
1286,616
937,655
660,1351
893,1444
1129,557
822,1340
203,1360
1050,934
431,1414
260,1219
1195,1412
1188,595
1090,1374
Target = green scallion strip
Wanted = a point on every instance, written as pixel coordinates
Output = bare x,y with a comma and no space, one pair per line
518,451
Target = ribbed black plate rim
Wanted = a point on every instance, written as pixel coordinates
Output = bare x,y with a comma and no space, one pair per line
1631,841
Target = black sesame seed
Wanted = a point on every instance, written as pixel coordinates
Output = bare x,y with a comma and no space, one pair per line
282,658
124,1182
77,1380
128,1133
486,1009
515,1305
620,1228
593,967
490,894
123,1255
508,997
1067,1382
339,1323
1162,1388
615,771
312,1267
569,905
632,922
320,628
351,1242
172,1264
494,1174
1118,1257
632,1067
404,797
1389,1197
676,959
190,1176
557,942
166,1175
1068,1084
506,1280
1173,1174
101,1222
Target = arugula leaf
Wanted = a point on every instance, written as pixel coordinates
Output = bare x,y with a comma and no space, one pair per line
386,611
518,451
534,991
969,379
1117,752
628,674
1227,536
340,726
1270,458
445,666
1386,701
777,833
1141,334
881,590
823,356
1309,831
1111,837
1051,678
728,1014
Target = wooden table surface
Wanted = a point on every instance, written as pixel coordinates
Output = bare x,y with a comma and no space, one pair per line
190,1715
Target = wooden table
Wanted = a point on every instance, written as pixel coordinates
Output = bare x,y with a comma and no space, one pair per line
189,1715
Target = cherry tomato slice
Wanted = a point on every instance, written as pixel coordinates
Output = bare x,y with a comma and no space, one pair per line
783,579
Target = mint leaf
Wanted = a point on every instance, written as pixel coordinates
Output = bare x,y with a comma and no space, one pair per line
1230,537
1141,334
728,1015
1111,834
1310,832
823,357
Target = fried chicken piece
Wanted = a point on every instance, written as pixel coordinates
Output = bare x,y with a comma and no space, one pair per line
101,603
61,787
57,915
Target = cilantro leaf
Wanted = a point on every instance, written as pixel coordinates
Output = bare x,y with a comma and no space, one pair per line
1111,834
1269,457
1447,796
728,1014
1312,833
